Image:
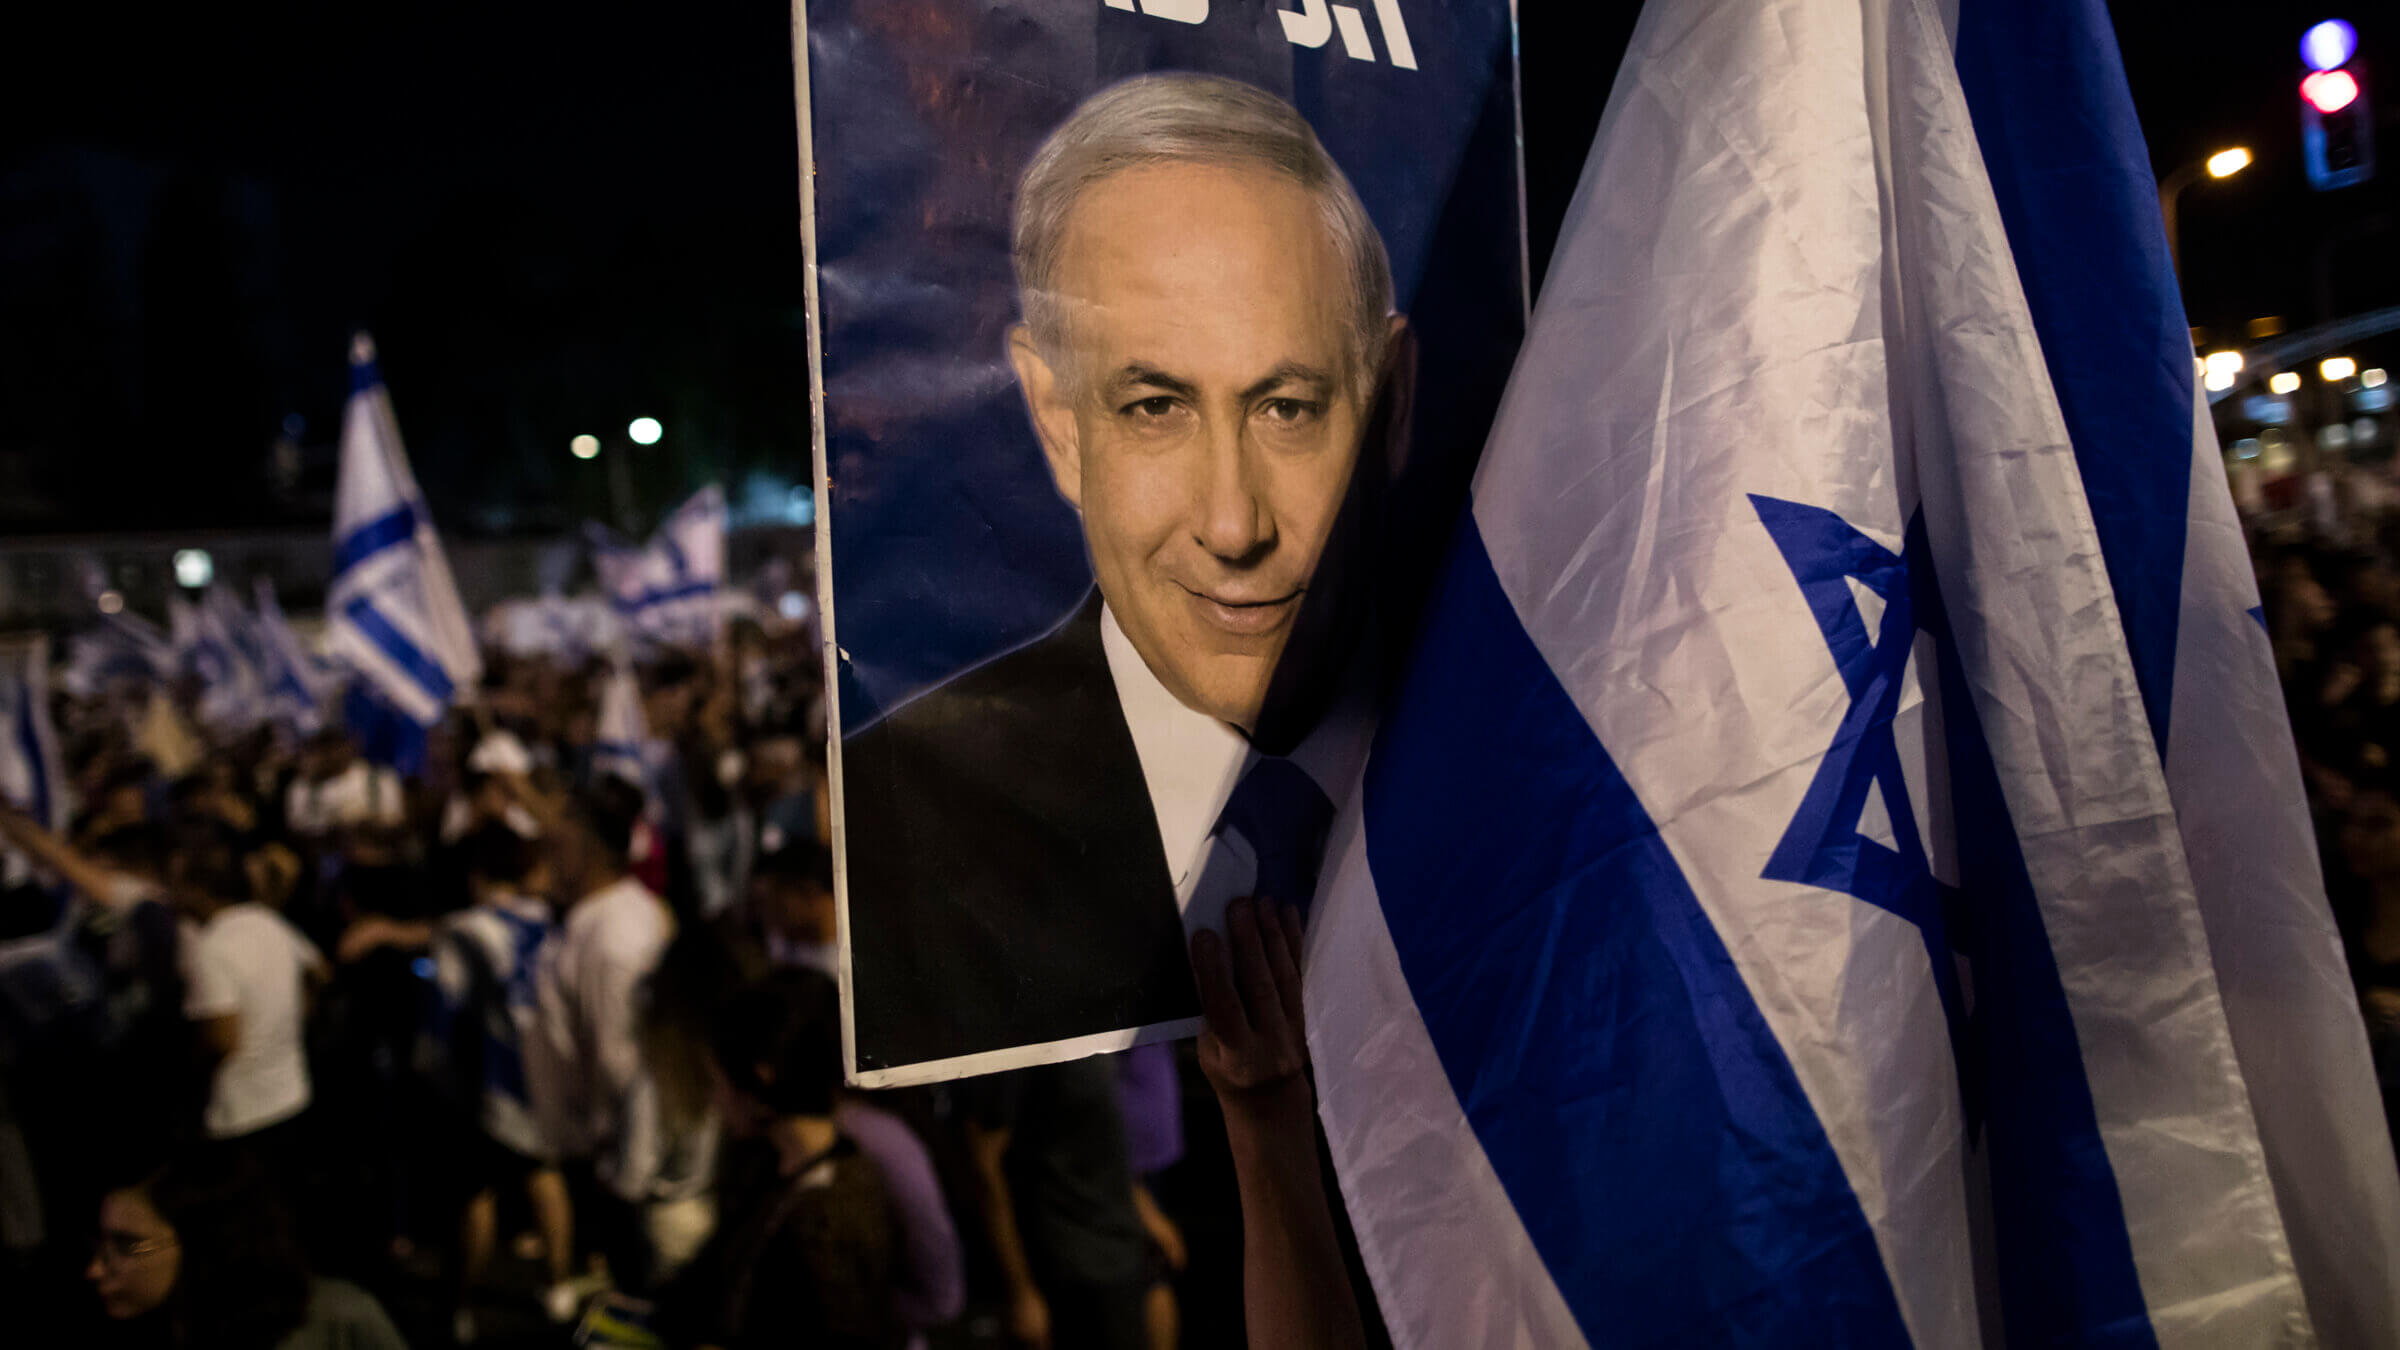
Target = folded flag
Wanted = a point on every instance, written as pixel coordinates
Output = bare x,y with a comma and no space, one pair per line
667,590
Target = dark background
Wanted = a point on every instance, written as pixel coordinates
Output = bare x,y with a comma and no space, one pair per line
559,217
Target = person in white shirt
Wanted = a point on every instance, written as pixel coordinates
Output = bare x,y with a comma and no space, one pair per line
590,986
336,790
248,978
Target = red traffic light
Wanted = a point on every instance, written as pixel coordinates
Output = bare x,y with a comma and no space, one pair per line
2329,91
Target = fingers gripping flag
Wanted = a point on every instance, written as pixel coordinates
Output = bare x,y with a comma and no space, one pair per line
392,614
1764,919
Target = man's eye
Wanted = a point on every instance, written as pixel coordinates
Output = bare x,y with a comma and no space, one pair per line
1158,405
1288,411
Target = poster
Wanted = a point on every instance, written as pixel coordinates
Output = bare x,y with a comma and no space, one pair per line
1150,343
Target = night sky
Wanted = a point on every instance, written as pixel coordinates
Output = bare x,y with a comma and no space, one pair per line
559,217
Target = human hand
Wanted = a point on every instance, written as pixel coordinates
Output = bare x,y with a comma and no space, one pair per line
1029,1318
363,935
1254,1049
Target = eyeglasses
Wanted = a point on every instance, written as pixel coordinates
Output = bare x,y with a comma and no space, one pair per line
118,1250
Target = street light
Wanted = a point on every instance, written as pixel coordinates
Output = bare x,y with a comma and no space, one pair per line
2223,164
2219,370
584,447
2335,369
2284,382
644,430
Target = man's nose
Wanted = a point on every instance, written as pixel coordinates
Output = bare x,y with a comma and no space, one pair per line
1232,520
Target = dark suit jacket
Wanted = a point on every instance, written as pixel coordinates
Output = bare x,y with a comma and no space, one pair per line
1007,884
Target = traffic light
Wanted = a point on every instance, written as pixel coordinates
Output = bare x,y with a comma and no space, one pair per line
2337,120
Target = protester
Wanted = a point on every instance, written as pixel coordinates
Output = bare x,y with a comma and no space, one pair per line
807,1247
200,1254
249,976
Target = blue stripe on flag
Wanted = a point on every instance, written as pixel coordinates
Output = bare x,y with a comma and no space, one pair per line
396,526
385,734
2066,1268
652,599
398,649
2067,161
1648,1127
37,768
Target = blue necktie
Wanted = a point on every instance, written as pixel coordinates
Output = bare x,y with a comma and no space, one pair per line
1283,815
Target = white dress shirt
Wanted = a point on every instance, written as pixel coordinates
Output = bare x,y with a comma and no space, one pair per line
1191,762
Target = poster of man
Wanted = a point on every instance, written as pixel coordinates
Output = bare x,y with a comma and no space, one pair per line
1139,333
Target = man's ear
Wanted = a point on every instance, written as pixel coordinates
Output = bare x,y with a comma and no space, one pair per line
1053,412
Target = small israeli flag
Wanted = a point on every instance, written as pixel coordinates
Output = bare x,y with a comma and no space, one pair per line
1794,897
667,590
392,614
122,646
295,681
621,745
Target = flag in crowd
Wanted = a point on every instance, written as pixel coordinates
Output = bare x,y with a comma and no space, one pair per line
1792,706
121,646
31,777
295,679
618,745
667,590
393,616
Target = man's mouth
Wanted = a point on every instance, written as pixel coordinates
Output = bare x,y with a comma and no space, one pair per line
1243,614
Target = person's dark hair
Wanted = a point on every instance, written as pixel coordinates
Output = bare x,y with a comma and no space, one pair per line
206,856
607,809
801,860
499,854
790,1026
695,976
134,848
668,672
244,1282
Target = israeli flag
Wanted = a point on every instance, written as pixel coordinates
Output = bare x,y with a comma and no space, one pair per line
122,646
1766,918
392,615
209,652
666,591
621,745
294,680
32,779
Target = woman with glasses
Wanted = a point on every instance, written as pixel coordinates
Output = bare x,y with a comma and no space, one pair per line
200,1254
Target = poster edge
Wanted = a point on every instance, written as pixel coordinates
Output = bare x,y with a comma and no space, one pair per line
1026,1056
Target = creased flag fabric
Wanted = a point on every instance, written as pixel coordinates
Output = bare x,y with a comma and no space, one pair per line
294,679
667,590
32,778
1764,920
2056,125
392,614
208,650
121,646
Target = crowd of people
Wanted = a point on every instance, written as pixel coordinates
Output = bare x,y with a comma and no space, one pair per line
539,1043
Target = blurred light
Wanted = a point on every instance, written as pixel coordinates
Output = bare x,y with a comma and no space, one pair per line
584,447
2328,44
792,605
2362,431
2246,448
803,510
2220,369
111,602
644,430
2378,399
2267,409
2329,91
2273,438
2334,436
423,968
194,568
2336,368
2227,163
2371,378
2284,382
2218,379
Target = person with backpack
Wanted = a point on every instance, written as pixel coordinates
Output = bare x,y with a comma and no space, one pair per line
485,1053
807,1246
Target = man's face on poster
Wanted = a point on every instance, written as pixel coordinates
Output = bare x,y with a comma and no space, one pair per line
1202,411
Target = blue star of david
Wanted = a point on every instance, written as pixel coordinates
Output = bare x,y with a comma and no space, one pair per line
1823,845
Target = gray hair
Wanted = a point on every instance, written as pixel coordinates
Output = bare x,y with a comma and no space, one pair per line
1191,119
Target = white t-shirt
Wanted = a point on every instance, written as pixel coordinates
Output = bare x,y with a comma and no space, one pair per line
591,984
363,794
248,962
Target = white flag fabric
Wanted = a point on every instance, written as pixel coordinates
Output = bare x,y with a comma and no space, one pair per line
392,613
32,778
121,647
667,590
1764,919
571,629
295,681
209,652
623,735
